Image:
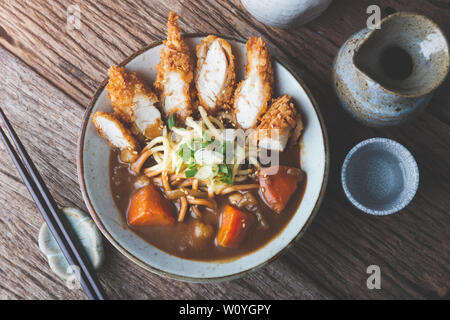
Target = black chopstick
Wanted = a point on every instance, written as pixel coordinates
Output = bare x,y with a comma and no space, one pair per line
41,205
58,224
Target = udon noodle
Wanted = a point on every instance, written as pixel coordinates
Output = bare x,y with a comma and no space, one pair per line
169,169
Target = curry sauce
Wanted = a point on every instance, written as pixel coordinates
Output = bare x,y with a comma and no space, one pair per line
179,239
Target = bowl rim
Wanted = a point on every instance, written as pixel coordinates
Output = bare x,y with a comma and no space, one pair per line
414,171
131,256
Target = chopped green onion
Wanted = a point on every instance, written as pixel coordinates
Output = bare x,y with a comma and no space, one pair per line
171,121
192,165
191,171
224,169
185,152
207,143
226,174
227,146
205,136
226,179
196,145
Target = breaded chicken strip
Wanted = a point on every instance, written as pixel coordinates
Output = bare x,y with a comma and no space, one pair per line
215,75
278,124
254,92
134,102
109,127
175,73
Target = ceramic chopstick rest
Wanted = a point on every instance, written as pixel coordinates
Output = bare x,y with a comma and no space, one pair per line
86,231
285,13
384,77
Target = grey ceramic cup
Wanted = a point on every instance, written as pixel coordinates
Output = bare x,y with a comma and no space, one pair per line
384,77
380,176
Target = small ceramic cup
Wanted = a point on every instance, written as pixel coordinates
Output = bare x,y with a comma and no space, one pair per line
380,176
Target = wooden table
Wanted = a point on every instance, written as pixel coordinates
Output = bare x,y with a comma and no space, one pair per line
48,74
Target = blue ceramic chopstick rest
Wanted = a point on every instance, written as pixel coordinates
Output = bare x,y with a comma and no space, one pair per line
86,231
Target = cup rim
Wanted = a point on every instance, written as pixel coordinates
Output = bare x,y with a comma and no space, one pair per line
413,171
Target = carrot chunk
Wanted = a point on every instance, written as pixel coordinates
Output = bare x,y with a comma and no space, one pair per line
234,227
278,183
149,207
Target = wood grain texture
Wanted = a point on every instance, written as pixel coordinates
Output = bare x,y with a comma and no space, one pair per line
44,95
48,125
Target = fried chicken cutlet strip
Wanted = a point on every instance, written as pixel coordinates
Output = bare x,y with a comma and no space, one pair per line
110,128
215,76
278,123
175,74
134,102
255,91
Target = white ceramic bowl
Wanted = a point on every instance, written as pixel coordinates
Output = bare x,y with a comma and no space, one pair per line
93,172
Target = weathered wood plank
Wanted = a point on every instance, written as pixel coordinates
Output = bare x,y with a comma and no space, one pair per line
75,60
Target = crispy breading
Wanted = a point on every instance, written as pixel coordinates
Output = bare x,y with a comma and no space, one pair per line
277,124
134,102
258,57
297,132
122,87
175,76
255,91
215,83
114,131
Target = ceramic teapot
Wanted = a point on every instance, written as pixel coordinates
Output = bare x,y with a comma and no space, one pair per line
386,76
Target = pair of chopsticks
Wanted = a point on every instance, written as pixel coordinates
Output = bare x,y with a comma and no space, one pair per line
56,221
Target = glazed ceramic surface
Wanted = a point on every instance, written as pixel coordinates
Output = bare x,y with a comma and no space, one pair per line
380,176
286,13
362,69
88,234
93,169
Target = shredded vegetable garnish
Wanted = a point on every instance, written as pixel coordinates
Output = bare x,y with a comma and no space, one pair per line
171,121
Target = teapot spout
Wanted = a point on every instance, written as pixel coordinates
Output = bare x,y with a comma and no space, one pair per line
384,77
408,55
